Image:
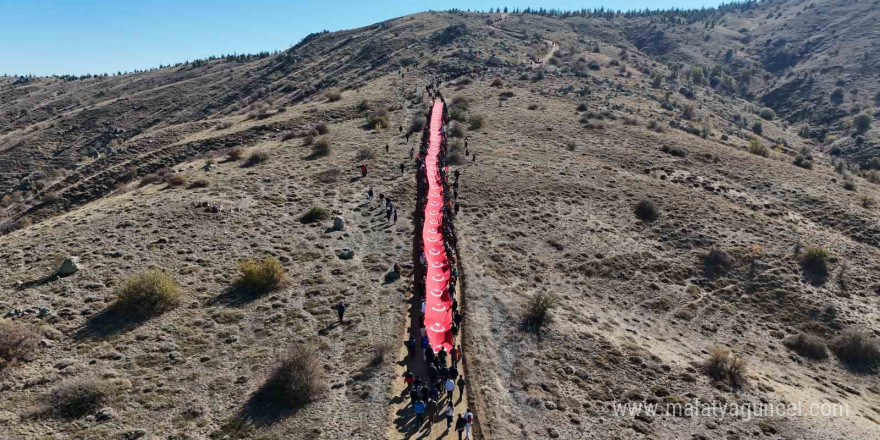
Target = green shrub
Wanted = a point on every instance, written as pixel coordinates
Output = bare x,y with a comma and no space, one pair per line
758,127
315,214
377,119
456,130
261,276
457,114
862,123
148,293
767,113
417,125
858,351
537,311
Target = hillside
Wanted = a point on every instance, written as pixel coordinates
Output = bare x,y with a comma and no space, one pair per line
764,225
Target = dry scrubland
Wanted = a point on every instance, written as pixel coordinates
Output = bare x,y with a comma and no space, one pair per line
624,238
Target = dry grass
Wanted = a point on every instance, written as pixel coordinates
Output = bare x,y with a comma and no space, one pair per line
815,262
321,147
333,95
200,183
150,179
723,366
17,344
364,154
261,276
476,122
78,398
807,345
321,128
328,176
256,158
235,154
148,293
176,180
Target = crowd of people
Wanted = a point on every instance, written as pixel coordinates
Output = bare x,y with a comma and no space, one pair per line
432,396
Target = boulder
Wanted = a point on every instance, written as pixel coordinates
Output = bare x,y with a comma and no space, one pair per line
338,223
69,266
346,254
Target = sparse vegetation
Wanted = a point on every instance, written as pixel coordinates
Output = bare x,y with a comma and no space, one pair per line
767,113
861,123
176,180
646,211
260,276
148,293
497,82
235,154
858,351
321,128
315,214
456,130
365,154
674,151
17,344
417,125
377,119
333,95
717,262
537,310
328,176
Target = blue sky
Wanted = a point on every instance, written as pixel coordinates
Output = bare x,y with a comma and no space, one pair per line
95,36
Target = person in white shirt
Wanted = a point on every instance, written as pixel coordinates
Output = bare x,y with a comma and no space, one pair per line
450,388
469,422
450,413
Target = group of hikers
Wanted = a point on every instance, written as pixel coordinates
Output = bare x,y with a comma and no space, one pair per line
442,367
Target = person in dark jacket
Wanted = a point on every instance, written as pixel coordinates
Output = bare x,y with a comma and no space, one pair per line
459,425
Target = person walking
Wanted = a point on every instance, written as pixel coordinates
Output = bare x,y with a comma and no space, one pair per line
411,150
450,413
395,216
370,194
363,170
461,384
410,348
459,425
340,310
408,378
450,389
419,410
469,422
402,167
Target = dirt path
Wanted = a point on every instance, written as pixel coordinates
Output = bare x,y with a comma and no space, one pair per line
552,47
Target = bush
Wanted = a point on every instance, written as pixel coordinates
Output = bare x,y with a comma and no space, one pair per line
582,107
417,124
849,184
688,112
256,158
77,398
815,262
176,180
497,82
807,345
837,96
858,351
537,311
724,367
476,122
377,119
758,127
296,379
861,123
767,113
646,211
200,183
235,153
717,262
506,94
148,293
804,159
17,344
288,136
674,151
364,154
321,128
261,276
460,102
333,95
457,114
533,106
456,130
150,179
321,147
315,214
758,148
363,106
328,176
